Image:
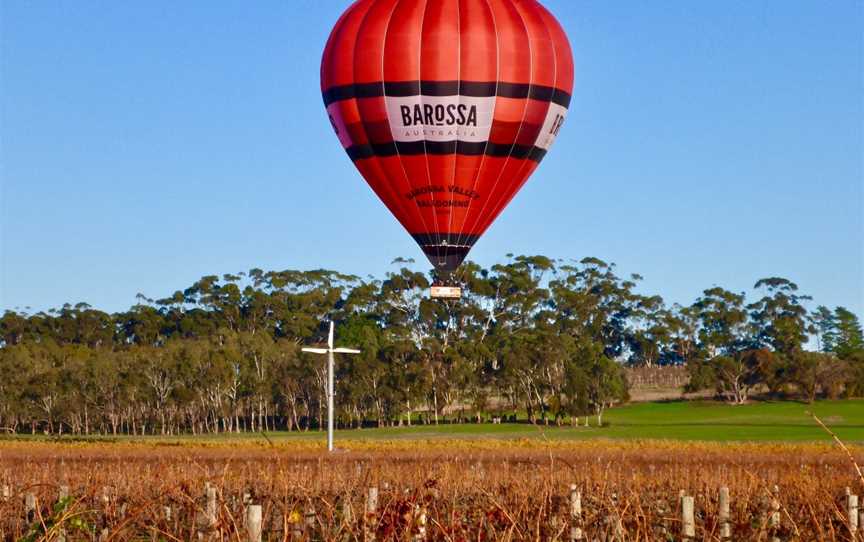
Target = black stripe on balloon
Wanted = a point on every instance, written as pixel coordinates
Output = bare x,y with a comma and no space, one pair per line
439,147
415,148
498,150
561,98
360,152
411,148
400,88
445,239
471,149
521,152
478,90
446,259
537,154
474,89
384,149
446,251
357,90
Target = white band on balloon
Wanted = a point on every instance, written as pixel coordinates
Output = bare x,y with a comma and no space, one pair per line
551,126
440,118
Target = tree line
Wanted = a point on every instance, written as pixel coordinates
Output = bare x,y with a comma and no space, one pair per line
545,338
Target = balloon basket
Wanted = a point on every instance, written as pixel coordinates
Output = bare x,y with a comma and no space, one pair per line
440,291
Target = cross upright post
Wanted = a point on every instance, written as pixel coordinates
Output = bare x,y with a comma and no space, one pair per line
330,378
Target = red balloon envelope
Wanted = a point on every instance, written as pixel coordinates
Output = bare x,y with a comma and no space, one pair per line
446,107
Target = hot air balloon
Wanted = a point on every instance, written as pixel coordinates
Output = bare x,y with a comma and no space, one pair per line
446,107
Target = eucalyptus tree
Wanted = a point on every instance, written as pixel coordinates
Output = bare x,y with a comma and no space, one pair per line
16,365
474,375
43,383
651,333
735,376
15,327
724,336
260,352
482,300
779,317
815,372
522,319
81,371
162,369
400,298
524,291
823,322
432,327
406,378
842,332
840,335
291,377
112,378
782,323
143,324
591,301
723,324
606,383
682,325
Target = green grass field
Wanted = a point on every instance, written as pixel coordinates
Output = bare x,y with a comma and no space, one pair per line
699,420
782,421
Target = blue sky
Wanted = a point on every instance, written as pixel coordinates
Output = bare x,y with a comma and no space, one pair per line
147,144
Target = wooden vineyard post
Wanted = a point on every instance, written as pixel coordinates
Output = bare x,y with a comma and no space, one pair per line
309,519
372,501
105,499
688,520
254,522
852,514
5,493
205,520
774,517
30,507
347,512
62,495
371,517
575,514
210,510
723,513
420,519
246,499
296,526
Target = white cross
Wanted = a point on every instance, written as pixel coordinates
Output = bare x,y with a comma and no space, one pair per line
329,351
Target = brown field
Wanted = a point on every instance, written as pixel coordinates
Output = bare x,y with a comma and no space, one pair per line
428,490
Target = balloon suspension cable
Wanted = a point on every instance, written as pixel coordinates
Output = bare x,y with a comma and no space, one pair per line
445,286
